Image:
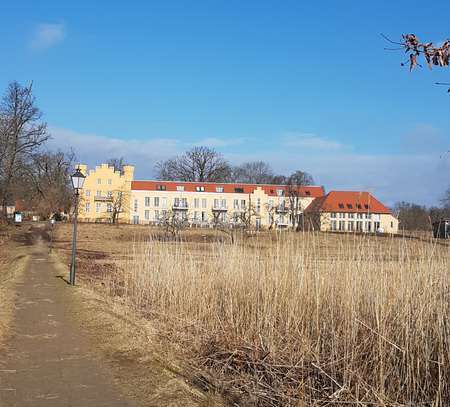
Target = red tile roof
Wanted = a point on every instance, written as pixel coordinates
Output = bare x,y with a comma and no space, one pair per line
347,201
271,190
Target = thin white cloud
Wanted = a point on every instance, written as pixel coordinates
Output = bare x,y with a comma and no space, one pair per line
215,142
47,35
93,149
310,141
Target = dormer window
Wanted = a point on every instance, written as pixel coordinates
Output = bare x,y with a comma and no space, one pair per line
160,187
359,206
200,188
239,190
308,193
219,189
366,206
180,188
280,192
349,206
341,206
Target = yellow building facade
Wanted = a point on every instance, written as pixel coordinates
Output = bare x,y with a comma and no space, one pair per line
115,197
106,194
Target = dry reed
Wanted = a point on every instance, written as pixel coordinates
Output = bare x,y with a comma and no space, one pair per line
304,319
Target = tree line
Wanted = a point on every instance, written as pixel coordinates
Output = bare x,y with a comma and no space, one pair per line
28,170
204,164
412,216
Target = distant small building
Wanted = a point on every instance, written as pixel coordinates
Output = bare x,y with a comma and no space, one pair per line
441,229
10,209
350,211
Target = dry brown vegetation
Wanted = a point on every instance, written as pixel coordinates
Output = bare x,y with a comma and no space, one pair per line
287,319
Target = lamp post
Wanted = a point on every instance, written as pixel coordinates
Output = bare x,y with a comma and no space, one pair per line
77,182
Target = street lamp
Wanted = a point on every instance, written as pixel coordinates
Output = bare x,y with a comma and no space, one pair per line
77,183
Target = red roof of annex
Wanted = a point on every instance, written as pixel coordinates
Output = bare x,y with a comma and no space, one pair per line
271,190
347,201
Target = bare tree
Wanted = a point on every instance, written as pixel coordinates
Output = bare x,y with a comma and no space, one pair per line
117,163
46,183
21,135
432,54
255,172
446,199
173,222
271,213
118,205
200,164
295,182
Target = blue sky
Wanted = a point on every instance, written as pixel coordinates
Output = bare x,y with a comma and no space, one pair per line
303,85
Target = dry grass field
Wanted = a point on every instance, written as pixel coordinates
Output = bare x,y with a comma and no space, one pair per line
285,319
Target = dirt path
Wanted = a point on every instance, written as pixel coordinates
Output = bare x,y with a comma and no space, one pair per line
47,361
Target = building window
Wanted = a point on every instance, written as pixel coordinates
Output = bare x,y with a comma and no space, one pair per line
224,203
99,181
239,190
196,215
219,189
164,202
392,224
341,225
333,215
350,226
98,193
236,204
200,188
216,203
110,181
87,193
135,205
342,215
109,207
156,200
109,194
88,207
359,226
242,203
351,215
136,220
156,215
333,225
180,188
147,214
204,203
147,201
258,205
369,226
98,206
359,215
368,216
376,226
196,203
